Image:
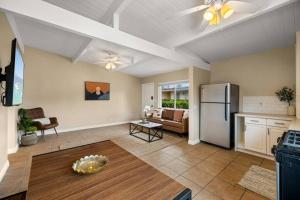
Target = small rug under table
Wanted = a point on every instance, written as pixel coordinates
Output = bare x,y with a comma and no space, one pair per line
261,181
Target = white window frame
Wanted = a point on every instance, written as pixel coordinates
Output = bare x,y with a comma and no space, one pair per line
175,91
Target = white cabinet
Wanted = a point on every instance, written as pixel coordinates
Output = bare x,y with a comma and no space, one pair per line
261,134
273,134
256,137
257,133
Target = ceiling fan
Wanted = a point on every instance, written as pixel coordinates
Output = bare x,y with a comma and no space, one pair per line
215,10
111,60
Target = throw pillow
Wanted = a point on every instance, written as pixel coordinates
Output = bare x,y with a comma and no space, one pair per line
157,113
168,114
178,115
43,121
186,114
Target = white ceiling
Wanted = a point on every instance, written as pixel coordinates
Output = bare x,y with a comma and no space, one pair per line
94,52
41,36
152,66
94,9
154,21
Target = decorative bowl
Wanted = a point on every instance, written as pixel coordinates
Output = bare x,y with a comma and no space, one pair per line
90,164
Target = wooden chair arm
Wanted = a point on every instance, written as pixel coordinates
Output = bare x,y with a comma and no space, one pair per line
53,120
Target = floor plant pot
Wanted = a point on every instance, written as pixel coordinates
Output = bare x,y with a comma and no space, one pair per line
29,139
291,111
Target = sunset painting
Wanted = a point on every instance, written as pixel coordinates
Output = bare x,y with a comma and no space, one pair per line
97,91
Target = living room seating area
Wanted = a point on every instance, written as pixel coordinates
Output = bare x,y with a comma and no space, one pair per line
172,120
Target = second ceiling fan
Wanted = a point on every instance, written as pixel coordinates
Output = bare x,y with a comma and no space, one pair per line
215,10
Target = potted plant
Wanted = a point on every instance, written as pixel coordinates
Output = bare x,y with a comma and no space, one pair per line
26,126
287,95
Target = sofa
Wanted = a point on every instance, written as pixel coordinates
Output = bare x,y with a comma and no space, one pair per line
172,120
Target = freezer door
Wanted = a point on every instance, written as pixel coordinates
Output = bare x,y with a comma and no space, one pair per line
215,93
215,124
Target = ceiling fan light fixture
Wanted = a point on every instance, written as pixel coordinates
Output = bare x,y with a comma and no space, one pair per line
110,66
226,11
209,13
215,20
218,4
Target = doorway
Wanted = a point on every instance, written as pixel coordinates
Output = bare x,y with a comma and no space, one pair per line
147,95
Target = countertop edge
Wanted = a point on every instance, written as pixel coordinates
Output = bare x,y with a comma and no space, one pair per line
267,116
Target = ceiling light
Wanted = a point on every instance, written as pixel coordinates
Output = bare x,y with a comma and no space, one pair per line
218,4
215,20
226,11
110,66
209,13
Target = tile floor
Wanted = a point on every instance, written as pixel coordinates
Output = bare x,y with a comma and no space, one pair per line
210,172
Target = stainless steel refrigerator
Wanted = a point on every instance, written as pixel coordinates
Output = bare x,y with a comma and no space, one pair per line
218,103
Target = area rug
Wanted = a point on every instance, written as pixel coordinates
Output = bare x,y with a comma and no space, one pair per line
261,181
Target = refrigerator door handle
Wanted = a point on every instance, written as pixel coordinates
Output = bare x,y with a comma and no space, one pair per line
226,111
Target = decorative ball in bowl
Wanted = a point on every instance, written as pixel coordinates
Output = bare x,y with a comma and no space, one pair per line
90,164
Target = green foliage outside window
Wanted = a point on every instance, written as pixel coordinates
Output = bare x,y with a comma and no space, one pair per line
180,103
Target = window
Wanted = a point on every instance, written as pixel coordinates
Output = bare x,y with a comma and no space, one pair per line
175,95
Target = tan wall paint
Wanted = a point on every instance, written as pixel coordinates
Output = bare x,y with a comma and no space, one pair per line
298,75
6,36
56,84
196,78
166,77
258,74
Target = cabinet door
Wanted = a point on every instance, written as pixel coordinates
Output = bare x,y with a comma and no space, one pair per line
273,134
256,138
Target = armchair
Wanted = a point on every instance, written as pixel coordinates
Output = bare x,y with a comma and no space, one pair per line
38,113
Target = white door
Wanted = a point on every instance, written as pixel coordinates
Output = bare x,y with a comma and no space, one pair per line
256,138
273,134
147,95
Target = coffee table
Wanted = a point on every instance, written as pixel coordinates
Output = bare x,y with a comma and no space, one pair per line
153,130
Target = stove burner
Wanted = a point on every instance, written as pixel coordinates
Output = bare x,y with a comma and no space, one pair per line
292,139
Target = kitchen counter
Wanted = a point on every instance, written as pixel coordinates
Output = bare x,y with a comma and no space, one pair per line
267,116
256,133
295,125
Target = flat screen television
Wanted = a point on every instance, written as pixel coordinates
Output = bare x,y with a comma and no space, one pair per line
14,75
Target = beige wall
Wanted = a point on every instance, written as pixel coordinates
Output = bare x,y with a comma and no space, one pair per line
6,36
298,75
56,84
196,78
179,75
258,74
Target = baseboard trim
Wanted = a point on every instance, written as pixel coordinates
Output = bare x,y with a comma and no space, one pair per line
13,150
193,142
48,132
3,170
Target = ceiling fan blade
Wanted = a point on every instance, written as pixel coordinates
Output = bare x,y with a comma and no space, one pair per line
243,7
202,26
191,10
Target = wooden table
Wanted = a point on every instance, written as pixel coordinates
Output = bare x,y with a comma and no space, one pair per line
125,177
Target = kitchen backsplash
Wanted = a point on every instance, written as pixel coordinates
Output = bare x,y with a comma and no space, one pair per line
264,104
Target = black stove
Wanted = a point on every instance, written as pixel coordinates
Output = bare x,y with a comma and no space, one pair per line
292,139
287,154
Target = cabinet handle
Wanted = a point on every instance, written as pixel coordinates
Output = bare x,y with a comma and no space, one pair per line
279,123
254,120
268,131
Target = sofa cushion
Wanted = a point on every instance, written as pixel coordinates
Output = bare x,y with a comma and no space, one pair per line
168,114
156,120
178,115
172,123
